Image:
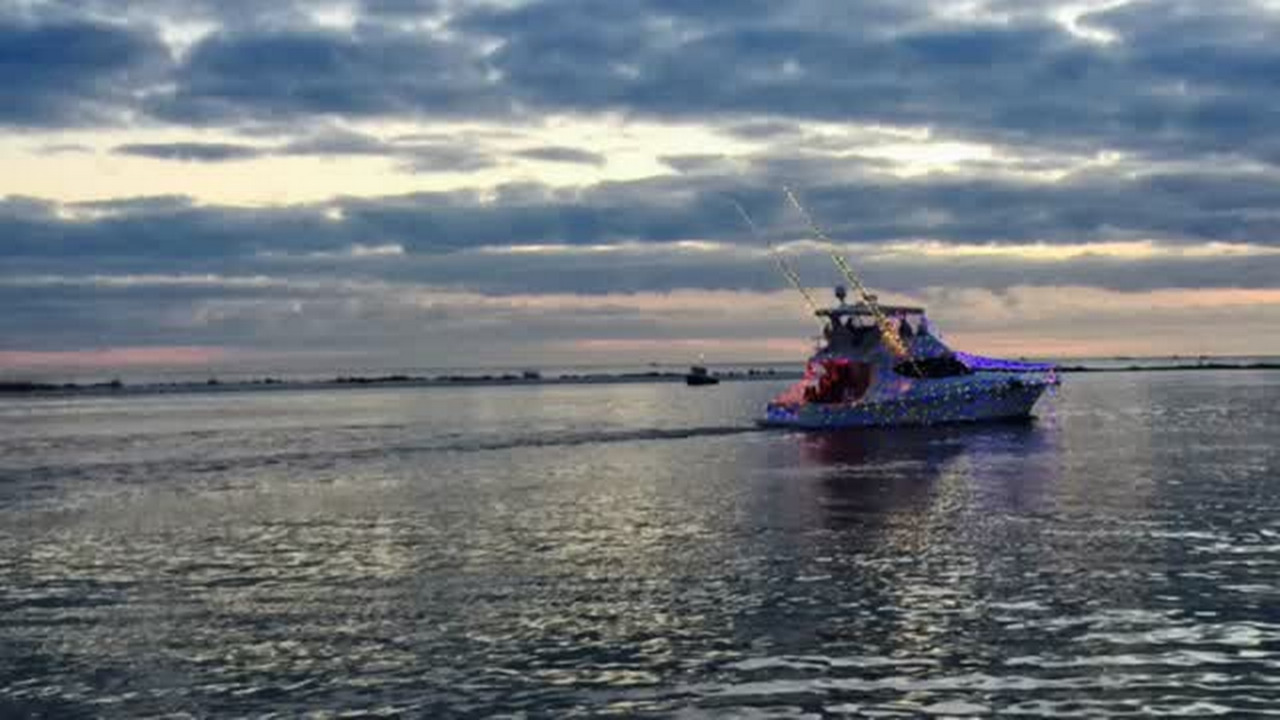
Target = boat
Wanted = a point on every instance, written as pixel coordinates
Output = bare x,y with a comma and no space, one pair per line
884,365
698,375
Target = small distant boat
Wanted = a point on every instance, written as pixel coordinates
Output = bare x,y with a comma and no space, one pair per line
698,375
882,365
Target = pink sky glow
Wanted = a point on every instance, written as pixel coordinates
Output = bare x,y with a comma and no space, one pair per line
114,357
765,347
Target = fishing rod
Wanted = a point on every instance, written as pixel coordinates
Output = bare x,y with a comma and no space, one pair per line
886,330
778,258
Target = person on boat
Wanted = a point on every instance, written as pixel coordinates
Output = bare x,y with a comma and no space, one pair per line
869,335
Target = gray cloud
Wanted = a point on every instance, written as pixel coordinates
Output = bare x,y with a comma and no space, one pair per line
1182,79
695,163
64,148
562,155
424,154
231,15
444,235
190,151
337,142
1181,207
73,72
446,158
306,72
415,156
414,302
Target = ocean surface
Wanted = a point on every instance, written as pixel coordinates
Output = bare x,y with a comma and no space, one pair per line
639,550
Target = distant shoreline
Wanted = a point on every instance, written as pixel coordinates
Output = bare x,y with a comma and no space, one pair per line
507,379
1165,368
353,381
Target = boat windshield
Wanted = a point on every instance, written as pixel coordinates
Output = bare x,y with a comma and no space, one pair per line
932,367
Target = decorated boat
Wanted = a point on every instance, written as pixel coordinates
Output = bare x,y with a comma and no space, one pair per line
883,365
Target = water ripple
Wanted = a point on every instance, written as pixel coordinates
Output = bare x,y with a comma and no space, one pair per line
634,551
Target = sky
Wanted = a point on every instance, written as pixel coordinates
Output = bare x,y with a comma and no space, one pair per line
372,184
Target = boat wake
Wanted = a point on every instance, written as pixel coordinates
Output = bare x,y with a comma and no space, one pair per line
242,457
578,438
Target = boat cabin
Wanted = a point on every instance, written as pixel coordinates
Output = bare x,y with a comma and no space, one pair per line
852,329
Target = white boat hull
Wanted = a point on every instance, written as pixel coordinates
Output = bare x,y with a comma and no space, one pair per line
1002,400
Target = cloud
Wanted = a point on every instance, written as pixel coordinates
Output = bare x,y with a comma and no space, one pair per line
357,251
1083,321
1178,79
337,142
411,155
400,9
429,158
391,322
64,148
870,211
1006,149
698,163
190,151
228,77
74,72
1181,77
562,155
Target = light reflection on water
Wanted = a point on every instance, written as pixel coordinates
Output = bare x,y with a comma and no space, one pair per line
639,550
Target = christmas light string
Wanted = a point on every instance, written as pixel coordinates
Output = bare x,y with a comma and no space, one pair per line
886,329
783,265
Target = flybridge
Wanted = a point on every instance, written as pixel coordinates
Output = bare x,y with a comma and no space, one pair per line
862,309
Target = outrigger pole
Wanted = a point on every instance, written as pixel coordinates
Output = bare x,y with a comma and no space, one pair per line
783,265
887,334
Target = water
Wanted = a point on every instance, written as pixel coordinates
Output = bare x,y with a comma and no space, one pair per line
639,550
